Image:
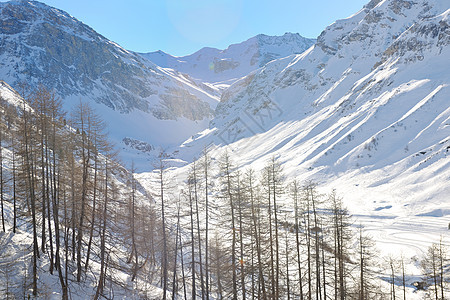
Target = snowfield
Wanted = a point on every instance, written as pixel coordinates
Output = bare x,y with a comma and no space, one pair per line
366,111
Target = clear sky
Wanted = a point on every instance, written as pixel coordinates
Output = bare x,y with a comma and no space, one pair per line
181,27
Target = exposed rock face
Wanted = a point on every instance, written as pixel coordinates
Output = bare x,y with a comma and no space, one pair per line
180,102
40,44
427,35
138,145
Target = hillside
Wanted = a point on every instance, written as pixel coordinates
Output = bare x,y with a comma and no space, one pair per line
365,111
150,103
66,204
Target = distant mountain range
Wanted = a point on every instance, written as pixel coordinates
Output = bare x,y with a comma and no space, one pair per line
238,60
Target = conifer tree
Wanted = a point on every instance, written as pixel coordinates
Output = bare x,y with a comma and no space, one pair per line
227,184
2,183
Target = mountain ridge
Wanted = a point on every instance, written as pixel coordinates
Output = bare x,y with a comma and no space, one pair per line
237,60
74,59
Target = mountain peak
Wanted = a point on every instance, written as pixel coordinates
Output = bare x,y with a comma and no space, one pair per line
284,36
371,98
35,6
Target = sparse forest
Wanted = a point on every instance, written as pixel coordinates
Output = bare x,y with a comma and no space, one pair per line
222,232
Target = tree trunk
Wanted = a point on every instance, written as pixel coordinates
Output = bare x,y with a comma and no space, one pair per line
202,283
174,289
161,170
65,295
256,230
277,247
14,186
94,203
297,238
241,240
206,167
288,290
1,176
101,280
192,243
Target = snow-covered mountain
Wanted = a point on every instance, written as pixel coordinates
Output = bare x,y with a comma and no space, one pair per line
139,100
365,111
238,60
147,105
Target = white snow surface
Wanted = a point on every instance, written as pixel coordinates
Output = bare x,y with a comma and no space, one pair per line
11,96
366,111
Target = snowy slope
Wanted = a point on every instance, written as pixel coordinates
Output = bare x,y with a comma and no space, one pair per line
43,45
11,96
238,60
16,250
365,111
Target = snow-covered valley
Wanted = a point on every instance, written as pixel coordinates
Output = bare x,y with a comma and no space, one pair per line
364,112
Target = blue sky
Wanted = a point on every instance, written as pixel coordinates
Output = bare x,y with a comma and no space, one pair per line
181,27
